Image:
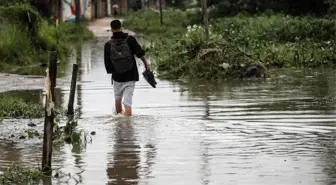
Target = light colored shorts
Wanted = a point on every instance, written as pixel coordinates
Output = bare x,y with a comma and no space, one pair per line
124,90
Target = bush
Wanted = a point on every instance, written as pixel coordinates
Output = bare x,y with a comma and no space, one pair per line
62,35
293,41
294,7
240,41
148,22
27,40
9,2
15,46
278,27
23,15
192,58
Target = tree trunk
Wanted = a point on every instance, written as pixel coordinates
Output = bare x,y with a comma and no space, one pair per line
205,19
161,15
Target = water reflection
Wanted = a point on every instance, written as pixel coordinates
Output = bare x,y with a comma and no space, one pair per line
79,62
124,161
9,153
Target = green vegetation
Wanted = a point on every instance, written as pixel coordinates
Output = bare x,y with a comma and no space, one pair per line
69,133
18,174
293,41
292,7
15,174
237,42
13,107
27,39
148,23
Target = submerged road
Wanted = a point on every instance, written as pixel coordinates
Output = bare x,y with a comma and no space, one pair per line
280,132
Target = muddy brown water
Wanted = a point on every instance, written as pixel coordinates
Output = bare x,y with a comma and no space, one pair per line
279,131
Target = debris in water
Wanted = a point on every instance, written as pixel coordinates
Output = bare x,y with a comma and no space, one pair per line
67,139
31,124
43,65
225,66
56,175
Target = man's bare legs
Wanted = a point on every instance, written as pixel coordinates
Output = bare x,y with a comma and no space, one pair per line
123,93
128,110
118,106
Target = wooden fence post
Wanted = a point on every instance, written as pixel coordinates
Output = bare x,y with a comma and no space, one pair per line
49,114
73,89
205,19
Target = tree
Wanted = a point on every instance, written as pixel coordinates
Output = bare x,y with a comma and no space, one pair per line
295,7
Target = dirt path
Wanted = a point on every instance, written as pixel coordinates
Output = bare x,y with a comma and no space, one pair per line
101,27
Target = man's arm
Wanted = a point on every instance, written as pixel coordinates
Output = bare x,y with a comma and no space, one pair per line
108,65
138,51
144,60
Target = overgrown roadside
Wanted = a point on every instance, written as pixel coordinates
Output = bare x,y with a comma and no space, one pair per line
26,38
236,43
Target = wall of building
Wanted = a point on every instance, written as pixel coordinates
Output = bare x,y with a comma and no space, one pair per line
92,9
69,10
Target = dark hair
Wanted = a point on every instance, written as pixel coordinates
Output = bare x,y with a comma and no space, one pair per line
115,24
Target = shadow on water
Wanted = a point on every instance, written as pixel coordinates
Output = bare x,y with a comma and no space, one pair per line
276,131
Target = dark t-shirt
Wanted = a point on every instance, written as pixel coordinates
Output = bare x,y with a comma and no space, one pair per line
131,75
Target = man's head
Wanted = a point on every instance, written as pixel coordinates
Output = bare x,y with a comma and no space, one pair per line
115,25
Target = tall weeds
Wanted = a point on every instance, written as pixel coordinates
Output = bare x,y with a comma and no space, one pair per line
26,38
12,107
15,46
275,39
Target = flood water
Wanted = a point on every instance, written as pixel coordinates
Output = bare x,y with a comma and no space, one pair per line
254,132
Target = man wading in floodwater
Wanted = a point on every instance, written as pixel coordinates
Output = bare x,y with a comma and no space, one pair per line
120,62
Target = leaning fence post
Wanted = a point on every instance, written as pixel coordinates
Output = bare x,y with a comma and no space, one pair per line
49,113
73,89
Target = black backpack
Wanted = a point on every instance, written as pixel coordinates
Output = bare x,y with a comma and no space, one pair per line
121,55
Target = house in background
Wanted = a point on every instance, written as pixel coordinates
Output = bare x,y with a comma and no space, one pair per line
68,10
103,8
65,10
123,5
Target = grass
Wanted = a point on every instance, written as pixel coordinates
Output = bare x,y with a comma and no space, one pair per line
15,174
275,40
11,107
24,44
293,41
148,23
